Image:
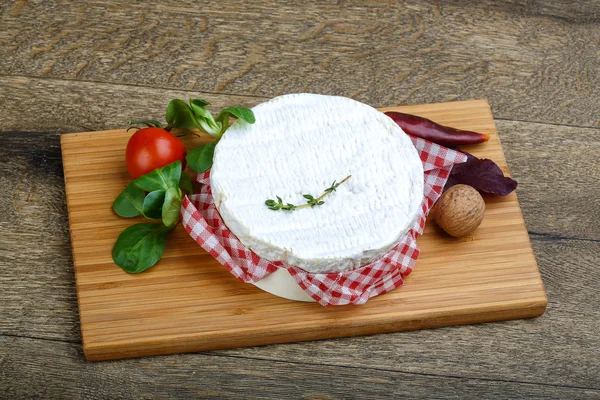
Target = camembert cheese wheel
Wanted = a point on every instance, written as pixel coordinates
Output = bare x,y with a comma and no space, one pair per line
300,144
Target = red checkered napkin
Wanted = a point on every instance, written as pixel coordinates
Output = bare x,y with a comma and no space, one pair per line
204,224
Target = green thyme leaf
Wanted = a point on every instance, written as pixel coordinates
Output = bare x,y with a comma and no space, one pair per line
311,201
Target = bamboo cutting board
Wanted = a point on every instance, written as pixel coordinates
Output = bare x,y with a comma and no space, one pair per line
188,302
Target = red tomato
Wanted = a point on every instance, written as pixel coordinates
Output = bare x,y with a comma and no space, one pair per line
152,148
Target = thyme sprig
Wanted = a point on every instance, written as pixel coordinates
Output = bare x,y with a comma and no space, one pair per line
311,201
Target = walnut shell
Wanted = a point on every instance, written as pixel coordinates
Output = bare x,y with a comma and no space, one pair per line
459,211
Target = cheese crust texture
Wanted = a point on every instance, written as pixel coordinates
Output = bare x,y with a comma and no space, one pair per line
299,145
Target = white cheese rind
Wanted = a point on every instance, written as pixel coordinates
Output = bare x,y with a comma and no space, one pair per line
300,144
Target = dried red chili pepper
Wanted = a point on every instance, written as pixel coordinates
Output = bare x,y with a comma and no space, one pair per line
434,132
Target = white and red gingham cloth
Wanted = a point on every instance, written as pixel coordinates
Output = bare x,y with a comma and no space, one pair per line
204,224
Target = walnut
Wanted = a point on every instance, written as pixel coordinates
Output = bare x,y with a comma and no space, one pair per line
459,211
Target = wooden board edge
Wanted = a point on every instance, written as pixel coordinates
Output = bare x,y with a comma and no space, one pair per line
77,283
192,343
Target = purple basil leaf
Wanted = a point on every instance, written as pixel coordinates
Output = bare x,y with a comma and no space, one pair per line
482,174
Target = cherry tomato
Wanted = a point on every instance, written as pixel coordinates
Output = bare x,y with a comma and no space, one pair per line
152,148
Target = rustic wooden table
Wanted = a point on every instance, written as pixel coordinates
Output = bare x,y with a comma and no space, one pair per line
80,66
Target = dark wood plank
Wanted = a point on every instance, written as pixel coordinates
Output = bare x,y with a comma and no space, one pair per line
36,272
65,374
66,106
558,170
535,61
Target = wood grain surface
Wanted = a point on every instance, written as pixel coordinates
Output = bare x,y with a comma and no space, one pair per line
543,53
212,376
60,71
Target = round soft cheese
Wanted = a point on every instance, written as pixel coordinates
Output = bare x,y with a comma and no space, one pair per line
300,144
